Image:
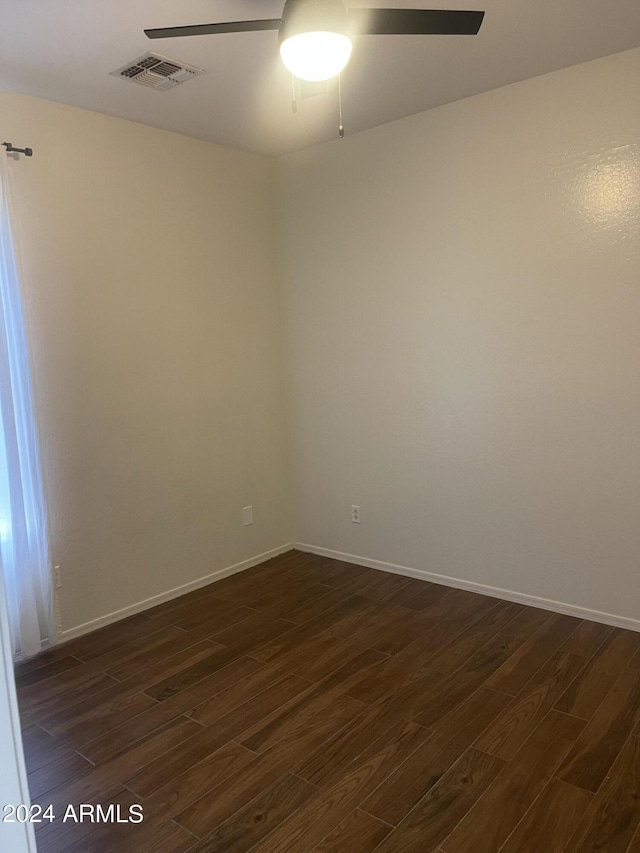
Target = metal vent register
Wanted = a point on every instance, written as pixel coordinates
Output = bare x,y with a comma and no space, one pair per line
157,72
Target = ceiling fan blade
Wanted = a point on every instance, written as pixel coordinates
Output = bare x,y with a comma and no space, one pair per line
416,22
212,29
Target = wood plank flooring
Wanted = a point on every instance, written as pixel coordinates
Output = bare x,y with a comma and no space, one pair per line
312,705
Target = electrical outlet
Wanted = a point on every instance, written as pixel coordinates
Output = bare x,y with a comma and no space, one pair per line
247,515
355,514
57,576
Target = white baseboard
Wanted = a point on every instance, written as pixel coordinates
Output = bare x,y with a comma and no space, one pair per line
472,586
140,606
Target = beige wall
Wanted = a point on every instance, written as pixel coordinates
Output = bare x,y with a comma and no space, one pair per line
463,322
461,309
150,271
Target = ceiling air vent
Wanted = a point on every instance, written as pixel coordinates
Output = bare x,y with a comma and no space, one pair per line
310,89
157,72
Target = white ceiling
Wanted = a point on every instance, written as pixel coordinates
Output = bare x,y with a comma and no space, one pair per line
63,50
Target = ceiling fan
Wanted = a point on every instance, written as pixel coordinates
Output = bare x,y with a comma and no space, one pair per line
316,35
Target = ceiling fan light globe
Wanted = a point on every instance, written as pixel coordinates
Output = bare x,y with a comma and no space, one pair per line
316,56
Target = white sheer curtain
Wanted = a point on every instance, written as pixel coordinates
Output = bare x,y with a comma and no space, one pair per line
24,547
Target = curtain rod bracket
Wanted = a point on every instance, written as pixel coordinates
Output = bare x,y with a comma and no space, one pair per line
28,152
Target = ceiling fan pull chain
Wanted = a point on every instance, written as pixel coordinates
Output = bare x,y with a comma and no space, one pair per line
341,126
294,102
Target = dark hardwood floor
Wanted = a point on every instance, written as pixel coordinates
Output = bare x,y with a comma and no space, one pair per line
312,705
